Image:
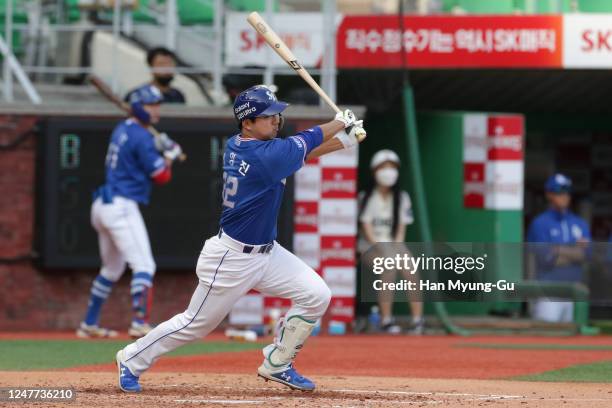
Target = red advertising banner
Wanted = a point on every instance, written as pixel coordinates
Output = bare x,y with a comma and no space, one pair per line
505,134
451,41
306,216
339,182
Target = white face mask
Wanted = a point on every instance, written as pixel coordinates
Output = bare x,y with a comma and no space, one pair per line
386,177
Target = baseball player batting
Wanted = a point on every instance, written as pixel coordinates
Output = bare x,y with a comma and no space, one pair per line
244,254
134,160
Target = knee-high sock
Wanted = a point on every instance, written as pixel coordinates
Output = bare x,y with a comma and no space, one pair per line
100,289
142,296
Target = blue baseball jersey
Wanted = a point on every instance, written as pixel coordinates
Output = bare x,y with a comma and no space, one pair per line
131,161
554,227
254,173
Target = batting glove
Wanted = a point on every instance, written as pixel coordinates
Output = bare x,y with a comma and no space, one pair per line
174,152
354,136
347,117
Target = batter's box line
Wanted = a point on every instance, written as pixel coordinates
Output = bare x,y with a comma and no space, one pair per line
264,401
390,392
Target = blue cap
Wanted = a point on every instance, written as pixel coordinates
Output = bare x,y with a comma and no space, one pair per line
258,100
146,95
558,183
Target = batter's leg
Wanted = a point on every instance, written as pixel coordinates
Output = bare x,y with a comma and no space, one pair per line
131,237
224,276
113,266
289,277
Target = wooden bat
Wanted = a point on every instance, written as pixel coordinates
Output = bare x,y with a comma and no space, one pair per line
124,106
285,53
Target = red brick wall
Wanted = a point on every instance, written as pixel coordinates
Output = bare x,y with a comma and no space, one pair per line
33,299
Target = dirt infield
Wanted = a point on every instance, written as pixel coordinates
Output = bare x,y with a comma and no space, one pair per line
359,371
225,390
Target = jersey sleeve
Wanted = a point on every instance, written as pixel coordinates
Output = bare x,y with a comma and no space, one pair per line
586,231
149,159
406,216
543,251
283,157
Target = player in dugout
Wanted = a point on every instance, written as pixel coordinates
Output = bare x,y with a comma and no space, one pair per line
560,243
135,159
244,254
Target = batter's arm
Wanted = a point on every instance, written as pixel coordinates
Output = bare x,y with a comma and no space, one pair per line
329,144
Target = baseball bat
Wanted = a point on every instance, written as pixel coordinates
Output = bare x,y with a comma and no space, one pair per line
285,53
108,94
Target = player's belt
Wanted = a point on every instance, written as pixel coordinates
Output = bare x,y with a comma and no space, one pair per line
244,248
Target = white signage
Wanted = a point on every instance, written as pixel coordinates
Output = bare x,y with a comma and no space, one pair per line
302,32
587,41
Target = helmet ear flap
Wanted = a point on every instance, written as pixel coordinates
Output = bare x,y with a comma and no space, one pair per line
139,112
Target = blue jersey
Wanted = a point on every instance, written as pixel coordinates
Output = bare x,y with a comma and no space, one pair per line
254,173
557,228
131,161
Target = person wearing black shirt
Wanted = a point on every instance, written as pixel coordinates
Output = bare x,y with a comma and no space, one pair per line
162,62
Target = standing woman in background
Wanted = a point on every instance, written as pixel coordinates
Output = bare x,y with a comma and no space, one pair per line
385,211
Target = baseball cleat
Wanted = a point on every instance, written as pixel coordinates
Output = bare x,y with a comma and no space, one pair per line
289,377
87,331
128,382
137,330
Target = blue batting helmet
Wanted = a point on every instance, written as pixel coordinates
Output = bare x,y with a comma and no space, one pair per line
558,183
258,100
146,95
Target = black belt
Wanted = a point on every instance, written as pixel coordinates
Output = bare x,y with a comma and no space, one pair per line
248,249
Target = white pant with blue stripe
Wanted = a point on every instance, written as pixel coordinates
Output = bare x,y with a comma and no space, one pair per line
122,238
226,274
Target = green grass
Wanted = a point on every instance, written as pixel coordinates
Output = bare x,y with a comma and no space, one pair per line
20,355
593,372
537,346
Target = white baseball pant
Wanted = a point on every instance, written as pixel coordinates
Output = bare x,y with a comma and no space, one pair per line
225,274
553,310
122,237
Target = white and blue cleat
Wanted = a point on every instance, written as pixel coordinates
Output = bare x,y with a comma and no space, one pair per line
128,382
289,377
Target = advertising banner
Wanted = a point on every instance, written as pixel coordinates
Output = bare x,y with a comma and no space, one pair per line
451,41
302,32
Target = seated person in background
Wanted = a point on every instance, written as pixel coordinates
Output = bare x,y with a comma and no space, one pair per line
562,261
162,62
386,210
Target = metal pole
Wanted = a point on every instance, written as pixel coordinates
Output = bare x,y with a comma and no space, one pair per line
328,70
116,38
217,64
171,24
23,79
269,72
8,35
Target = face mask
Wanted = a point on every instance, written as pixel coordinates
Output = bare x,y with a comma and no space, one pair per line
164,80
386,177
